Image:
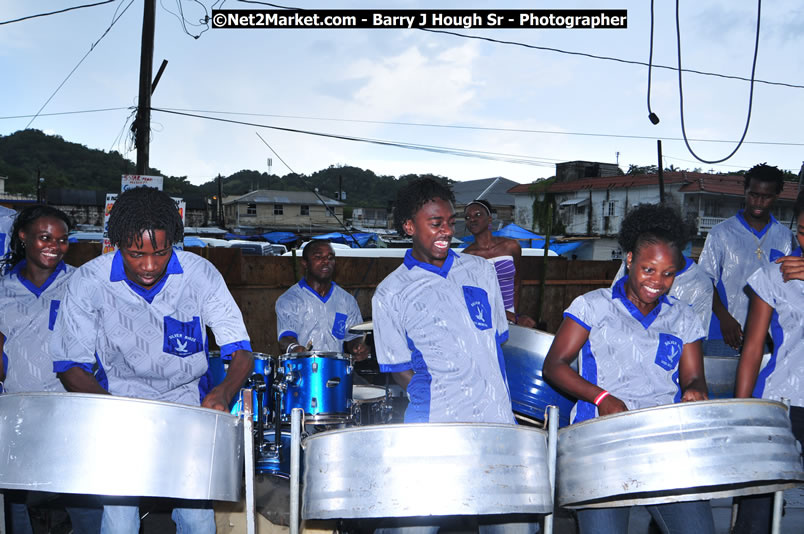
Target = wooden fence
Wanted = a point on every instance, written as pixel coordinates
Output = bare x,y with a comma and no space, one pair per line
257,281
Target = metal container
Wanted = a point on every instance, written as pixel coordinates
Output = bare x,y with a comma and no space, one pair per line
524,355
100,444
679,452
426,469
721,374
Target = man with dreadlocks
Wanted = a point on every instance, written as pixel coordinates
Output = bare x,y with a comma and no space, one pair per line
140,315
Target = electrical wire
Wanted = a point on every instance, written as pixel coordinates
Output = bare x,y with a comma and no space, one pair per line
91,48
750,94
56,12
651,115
314,190
509,158
54,114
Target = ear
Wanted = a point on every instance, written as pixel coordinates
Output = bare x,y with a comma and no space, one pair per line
628,259
408,227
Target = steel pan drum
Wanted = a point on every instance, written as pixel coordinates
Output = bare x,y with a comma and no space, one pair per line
524,355
679,452
721,373
425,469
82,443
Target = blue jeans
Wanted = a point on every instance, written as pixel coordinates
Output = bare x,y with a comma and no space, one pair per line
83,520
489,524
119,519
674,518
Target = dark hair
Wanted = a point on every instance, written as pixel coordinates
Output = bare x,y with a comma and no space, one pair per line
16,248
648,224
485,203
411,197
313,244
764,173
798,207
144,209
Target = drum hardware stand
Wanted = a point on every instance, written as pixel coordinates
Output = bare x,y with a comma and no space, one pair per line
778,497
296,422
248,454
551,416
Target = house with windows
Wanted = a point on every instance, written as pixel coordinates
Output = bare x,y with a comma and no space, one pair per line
594,206
267,209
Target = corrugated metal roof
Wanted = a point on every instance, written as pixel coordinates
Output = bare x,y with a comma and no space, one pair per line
270,196
465,192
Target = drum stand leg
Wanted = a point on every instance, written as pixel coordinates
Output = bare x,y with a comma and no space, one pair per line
552,451
295,453
248,453
778,497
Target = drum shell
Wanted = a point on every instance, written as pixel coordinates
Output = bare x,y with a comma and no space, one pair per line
100,444
426,469
307,377
524,355
370,405
679,452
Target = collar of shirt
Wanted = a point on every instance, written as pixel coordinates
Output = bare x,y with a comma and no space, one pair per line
796,252
29,285
687,263
304,285
411,262
618,292
748,227
118,273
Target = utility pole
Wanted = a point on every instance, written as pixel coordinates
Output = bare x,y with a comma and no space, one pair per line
143,120
661,172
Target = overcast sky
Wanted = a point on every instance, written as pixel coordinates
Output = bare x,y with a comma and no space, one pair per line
364,83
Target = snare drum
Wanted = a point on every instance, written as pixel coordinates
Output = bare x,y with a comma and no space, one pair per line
320,383
370,405
263,374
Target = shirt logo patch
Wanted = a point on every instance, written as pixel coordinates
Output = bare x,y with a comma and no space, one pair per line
183,338
54,312
669,352
477,304
339,326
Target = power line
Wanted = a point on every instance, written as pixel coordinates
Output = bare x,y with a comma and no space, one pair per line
91,48
56,12
510,158
479,128
54,114
609,58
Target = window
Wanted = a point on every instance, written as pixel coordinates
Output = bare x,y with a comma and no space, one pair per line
278,209
251,209
330,212
580,209
304,210
611,209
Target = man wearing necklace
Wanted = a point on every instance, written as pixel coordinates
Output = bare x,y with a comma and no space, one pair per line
737,247
317,311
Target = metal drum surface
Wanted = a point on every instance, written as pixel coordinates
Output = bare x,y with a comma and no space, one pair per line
425,469
679,452
82,443
721,373
524,355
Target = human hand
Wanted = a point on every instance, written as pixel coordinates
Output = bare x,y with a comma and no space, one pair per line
359,351
524,320
611,405
216,400
693,394
792,268
732,332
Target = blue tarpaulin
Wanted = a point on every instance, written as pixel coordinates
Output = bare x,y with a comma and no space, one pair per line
363,238
528,239
193,241
280,237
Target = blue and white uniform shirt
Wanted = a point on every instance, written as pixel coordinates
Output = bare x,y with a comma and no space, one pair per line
692,286
323,321
446,325
150,344
27,318
732,252
783,375
633,356
7,217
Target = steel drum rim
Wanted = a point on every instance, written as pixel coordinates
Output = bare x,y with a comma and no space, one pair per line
413,426
118,398
665,407
315,354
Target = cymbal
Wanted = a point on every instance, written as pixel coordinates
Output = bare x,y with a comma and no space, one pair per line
368,326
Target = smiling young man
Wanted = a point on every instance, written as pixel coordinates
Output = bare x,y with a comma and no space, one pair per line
138,318
317,311
737,247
